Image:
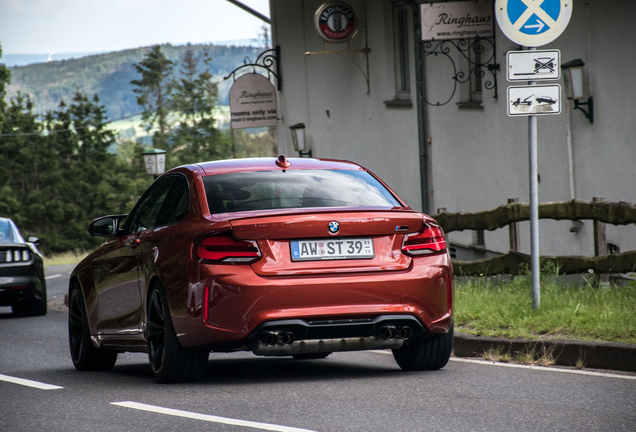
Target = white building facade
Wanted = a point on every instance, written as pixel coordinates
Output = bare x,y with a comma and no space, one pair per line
400,110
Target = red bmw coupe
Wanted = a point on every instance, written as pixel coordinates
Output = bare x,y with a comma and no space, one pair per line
281,257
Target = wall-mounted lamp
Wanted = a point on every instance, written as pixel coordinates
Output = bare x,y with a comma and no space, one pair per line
155,161
574,87
298,138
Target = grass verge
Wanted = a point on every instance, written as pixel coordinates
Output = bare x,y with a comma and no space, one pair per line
66,258
582,311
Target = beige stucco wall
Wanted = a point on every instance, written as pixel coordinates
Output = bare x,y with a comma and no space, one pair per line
479,157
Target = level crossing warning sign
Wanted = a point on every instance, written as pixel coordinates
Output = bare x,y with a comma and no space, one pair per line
533,23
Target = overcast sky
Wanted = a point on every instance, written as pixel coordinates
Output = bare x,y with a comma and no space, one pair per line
72,26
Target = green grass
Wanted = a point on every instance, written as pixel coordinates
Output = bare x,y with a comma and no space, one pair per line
66,258
581,311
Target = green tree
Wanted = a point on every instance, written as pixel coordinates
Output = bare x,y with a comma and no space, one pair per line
53,184
23,155
154,91
5,79
194,95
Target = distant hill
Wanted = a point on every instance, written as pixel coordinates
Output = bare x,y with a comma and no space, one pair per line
109,75
26,59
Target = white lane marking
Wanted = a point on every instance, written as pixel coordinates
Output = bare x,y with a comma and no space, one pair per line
53,276
546,369
29,383
209,418
539,368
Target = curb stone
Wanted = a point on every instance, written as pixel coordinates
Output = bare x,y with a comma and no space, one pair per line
599,355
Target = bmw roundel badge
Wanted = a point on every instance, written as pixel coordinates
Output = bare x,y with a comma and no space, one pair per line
334,227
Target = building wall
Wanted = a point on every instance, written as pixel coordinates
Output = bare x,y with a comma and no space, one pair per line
478,156
359,126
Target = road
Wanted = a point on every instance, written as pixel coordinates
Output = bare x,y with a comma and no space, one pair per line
363,391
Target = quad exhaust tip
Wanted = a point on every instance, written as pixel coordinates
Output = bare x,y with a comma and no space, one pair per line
392,332
280,338
286,338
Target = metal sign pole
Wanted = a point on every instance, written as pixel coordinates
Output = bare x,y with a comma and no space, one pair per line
532,24
534,208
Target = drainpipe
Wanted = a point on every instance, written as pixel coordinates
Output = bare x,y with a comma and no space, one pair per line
421,126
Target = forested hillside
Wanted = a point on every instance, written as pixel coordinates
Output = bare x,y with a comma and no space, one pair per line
109,75
60,170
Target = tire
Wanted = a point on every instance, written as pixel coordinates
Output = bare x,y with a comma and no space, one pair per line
425,354
311,356
85,356
169,361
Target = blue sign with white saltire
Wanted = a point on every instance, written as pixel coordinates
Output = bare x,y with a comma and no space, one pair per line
533,22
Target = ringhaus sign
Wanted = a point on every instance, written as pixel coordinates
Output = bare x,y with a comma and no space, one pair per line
252,102
336,22
457,20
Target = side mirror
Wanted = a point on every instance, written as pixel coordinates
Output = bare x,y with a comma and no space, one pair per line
34,240
106,226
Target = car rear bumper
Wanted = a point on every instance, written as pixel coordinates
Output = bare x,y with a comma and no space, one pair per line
230,307
16,290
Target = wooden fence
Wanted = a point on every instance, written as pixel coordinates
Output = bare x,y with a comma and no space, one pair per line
513,262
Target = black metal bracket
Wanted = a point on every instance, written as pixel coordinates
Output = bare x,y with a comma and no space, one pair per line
265,60
464,47
589,114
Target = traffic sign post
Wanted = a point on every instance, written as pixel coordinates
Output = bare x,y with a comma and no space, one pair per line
533,23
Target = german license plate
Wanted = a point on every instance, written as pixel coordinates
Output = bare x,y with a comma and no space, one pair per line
332,249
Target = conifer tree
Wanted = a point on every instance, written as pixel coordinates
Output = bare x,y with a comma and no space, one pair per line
194,96
154,91
5,79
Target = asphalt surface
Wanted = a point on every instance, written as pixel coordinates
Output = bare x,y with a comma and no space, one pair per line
363,391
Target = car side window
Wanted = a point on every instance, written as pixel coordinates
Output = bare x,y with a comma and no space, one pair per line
144,216
175,205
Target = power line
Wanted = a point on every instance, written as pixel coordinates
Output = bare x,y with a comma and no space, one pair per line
69,130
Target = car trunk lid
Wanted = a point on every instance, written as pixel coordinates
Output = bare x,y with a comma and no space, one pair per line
275,235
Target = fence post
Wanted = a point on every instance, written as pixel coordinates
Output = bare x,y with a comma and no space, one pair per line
513,229
600,240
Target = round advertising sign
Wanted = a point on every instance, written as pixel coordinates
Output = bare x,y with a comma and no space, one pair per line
533,23
336,22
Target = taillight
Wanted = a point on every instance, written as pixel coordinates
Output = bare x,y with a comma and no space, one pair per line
227,249
428,241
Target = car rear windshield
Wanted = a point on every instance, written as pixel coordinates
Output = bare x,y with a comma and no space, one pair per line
268,190
9,233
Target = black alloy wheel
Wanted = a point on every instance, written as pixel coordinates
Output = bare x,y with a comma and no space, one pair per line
85,356
156,332
425,354
169,361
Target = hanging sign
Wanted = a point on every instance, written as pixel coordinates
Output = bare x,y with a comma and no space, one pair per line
457,20
252,102
533,23
336,22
